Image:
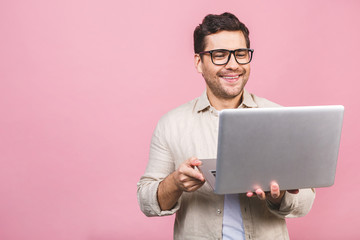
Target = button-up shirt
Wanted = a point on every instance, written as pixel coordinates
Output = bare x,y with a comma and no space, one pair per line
192,130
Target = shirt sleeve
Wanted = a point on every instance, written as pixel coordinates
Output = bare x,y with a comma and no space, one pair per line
160,165
294,205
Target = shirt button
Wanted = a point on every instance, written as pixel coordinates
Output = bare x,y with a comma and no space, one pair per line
218,211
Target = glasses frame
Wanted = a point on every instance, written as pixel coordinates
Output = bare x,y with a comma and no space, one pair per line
231,52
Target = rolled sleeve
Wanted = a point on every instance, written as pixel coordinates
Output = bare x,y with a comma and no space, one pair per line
160,165
147,198
294,205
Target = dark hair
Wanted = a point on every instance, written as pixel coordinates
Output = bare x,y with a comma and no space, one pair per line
214,23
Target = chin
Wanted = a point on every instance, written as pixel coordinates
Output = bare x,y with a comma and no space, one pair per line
234,93
227,95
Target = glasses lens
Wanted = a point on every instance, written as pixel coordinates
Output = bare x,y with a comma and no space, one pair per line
220,56
242,56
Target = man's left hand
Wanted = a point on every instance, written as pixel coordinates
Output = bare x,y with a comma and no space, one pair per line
275,196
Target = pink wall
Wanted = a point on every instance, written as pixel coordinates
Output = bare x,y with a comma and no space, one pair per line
83,83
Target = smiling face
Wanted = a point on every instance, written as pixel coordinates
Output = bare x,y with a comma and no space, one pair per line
224,82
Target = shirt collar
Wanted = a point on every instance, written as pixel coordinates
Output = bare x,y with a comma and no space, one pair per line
247,100
203,102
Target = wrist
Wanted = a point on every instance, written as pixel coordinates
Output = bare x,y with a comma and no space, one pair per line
176,186
276,202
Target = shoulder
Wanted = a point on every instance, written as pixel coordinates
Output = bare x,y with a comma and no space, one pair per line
179,114
263,102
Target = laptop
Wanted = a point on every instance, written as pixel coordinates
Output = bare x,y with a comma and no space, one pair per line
295,146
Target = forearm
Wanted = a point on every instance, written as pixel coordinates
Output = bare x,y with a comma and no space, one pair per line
147,191
168,193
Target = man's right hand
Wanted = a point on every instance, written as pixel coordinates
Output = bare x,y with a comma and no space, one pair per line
185,179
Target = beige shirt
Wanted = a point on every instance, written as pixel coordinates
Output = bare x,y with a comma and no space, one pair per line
191,130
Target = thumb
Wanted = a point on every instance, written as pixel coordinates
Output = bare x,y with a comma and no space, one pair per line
194,161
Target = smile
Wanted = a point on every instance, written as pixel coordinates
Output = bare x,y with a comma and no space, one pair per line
231,78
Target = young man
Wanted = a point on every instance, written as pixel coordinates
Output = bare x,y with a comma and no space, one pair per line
171,182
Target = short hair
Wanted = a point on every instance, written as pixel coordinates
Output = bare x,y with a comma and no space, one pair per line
214,23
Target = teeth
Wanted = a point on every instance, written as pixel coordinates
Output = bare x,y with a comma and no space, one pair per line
230,77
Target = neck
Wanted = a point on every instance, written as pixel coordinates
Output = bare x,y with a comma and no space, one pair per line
224,103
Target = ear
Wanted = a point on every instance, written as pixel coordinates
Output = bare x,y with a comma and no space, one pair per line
198,63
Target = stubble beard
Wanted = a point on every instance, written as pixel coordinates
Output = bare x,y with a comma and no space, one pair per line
221,92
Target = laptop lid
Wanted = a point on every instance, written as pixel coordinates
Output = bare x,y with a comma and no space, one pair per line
294,146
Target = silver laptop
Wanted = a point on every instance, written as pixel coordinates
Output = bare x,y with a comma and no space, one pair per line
294,146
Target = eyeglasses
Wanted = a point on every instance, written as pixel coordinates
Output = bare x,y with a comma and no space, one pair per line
222,56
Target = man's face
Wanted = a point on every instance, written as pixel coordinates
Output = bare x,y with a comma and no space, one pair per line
225,81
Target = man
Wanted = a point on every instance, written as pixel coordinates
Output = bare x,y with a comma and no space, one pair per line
172,183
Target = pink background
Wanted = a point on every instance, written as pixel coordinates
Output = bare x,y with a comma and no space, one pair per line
83,84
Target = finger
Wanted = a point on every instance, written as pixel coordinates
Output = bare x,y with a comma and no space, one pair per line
293,191
190,160
249,194
184,182
184,179
192,173
260,193
194,162
193,188
274,190
192,185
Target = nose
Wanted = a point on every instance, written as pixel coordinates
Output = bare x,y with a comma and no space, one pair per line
232,64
